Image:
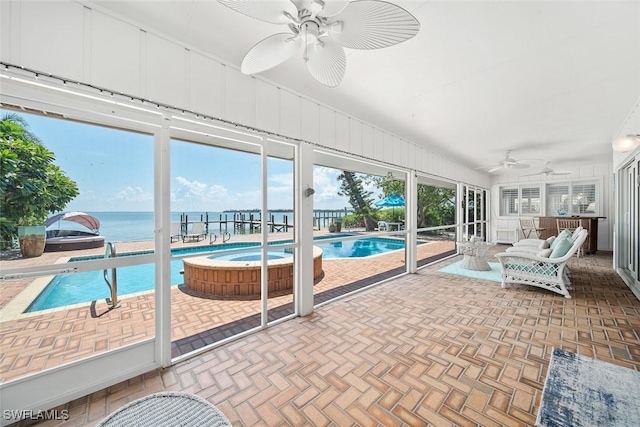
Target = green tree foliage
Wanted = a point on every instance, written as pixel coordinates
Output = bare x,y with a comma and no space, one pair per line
352,186
436,205
32,186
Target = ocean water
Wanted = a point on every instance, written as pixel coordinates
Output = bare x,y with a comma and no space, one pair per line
135,226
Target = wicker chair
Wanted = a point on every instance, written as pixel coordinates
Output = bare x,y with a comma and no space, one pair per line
569,224
548,273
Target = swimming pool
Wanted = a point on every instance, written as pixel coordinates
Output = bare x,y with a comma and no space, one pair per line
68,289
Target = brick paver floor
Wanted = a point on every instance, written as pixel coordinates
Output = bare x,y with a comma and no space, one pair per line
422,349
35,342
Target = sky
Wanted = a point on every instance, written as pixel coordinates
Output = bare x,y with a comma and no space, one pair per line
114,172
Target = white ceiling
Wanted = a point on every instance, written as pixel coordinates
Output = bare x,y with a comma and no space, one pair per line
546,79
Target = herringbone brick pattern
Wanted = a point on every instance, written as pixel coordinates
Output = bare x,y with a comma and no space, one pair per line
424,349
32,343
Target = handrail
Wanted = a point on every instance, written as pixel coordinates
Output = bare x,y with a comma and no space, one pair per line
110,252
224,238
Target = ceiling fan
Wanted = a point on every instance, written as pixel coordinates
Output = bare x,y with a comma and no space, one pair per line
506,163
547,171
323,28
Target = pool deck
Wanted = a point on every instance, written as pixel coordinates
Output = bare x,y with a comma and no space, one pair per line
37,341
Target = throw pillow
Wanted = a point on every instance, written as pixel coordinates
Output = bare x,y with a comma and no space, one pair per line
545,253
565,233
561,248
556,241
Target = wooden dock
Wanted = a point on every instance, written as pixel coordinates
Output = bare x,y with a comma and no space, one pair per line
249,223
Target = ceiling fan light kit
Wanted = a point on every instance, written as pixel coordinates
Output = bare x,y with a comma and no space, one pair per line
323,29
626,143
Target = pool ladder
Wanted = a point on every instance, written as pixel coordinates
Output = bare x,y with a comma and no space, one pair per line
110,252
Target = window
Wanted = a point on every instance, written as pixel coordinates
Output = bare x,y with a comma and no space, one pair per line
523,200
509,201
530,200
579,198
557,199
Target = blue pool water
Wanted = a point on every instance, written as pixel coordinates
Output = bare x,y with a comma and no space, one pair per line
67,289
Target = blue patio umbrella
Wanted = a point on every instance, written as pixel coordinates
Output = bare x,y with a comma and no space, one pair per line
391,201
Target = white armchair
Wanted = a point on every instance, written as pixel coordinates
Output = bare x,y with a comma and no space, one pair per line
548,273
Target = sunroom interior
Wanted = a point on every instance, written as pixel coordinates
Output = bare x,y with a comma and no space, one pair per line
160,84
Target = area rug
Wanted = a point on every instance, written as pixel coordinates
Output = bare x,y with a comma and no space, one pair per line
495,274
167,409
581,391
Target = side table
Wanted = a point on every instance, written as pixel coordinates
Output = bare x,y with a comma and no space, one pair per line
474,256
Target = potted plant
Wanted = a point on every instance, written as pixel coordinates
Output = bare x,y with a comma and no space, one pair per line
32,236
332,227
32,187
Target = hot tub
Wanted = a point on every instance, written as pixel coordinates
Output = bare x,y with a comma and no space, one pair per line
237,276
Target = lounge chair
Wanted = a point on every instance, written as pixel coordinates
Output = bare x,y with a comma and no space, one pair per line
197,232
176,231
549,272
383,226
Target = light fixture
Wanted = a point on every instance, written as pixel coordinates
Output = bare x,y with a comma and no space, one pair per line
626,143
309,192
323,28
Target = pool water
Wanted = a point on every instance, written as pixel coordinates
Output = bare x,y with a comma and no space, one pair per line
68,289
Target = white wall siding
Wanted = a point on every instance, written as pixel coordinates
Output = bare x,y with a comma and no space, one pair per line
267,117
114,54
51,37
327,127
166,72
310,121
205,85
355,137
93,46
289,114
239,97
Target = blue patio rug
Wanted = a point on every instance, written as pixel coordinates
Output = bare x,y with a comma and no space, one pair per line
494,275
581,391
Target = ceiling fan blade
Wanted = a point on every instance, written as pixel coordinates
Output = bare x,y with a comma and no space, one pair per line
327,63
519,166
272,11
372,24
332,7
268,53
495,168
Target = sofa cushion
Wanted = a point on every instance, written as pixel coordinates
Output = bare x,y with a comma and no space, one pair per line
562,247
545,253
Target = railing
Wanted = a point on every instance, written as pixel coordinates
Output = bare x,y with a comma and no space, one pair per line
110,252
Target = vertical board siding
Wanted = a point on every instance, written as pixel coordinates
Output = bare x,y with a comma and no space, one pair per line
166,79
239,97
387,147
342,131
355,137
120,56
290,117
267,117
310,121
367,141
327,127
51,37
205,85
114,54
378,144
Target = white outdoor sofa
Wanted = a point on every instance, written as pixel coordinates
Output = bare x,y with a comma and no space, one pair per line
535,270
